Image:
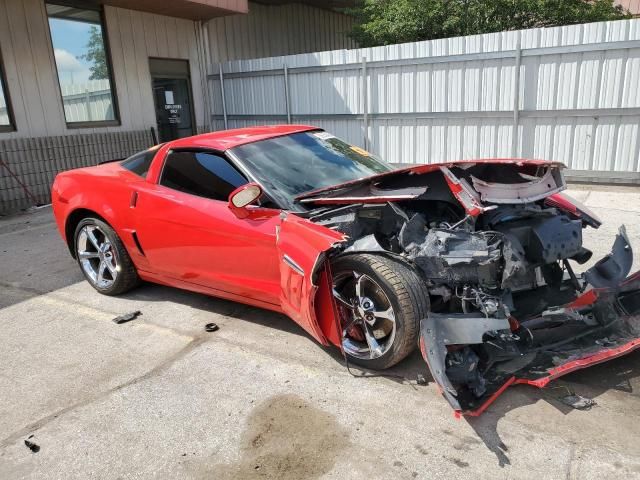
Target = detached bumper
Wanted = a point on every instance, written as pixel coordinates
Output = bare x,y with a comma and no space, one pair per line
600,325
571,366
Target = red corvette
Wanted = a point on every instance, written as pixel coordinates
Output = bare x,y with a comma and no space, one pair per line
472,260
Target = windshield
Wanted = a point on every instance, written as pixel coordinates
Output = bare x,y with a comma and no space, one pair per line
301,162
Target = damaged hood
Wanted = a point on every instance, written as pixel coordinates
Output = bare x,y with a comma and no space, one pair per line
372,189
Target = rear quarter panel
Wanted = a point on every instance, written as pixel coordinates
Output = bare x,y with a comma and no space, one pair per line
103,189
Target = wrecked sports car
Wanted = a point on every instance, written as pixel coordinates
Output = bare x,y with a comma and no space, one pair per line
472,262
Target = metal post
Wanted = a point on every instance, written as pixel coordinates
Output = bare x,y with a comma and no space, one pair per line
516,99
154,137
224,102
287,98
365,105
203,37
87,104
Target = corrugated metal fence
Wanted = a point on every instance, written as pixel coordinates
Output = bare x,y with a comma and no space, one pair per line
568,93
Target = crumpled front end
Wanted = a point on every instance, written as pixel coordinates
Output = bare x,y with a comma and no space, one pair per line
495,243
475,356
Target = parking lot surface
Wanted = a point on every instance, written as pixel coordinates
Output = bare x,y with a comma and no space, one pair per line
159,397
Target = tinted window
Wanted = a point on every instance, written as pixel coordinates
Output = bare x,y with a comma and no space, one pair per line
84,72
297,163
201,173
140,162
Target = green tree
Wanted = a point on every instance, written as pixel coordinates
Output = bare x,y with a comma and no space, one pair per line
385,22
96,55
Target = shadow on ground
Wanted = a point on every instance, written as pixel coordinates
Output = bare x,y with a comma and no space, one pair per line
617,374
148,292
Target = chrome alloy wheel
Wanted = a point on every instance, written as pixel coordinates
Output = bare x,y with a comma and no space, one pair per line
368,318
97,256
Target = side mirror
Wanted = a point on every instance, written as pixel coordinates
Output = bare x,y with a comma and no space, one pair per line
242,197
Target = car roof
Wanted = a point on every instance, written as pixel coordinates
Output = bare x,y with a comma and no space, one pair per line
226,139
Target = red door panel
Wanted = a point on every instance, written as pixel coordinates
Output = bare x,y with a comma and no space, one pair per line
201,241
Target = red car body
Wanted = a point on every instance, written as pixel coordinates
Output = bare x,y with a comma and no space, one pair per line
199,244
269,259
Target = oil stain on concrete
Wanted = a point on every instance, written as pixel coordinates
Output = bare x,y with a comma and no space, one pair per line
286,438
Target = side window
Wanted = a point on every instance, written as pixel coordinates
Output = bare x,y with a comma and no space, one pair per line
201,173
140,162
83,64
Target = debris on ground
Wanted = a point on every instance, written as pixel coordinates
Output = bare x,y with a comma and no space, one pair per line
34,447
127,317
421,379
211,327
578,402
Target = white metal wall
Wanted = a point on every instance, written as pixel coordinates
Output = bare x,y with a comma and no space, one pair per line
568,93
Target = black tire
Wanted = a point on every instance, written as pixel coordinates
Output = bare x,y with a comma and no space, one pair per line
127,276
407,294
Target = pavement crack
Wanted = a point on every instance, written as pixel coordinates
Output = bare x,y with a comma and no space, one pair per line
621,210
569,467
29,229
158,369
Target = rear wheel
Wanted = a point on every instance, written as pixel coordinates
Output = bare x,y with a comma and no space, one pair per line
381,302
103,259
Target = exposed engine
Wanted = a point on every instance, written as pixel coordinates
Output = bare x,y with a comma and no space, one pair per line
505,250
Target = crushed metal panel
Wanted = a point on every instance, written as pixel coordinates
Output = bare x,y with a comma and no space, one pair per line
535,189
463,192
612,269
368,194
466,328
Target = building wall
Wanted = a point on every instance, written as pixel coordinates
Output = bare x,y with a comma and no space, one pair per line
133,37
270,30
43,145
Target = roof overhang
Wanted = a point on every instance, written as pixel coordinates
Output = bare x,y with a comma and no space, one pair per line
191,9
326,4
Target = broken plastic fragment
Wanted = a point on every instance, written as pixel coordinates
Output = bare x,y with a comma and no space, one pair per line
578,402
127,317
612,269
34,447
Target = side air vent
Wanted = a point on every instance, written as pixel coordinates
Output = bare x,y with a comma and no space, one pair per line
137,241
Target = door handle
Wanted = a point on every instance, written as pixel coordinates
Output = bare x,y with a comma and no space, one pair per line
134,199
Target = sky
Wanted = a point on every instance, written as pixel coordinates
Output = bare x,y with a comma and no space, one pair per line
69,43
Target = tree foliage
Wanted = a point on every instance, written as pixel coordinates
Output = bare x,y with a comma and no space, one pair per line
384,22
96,55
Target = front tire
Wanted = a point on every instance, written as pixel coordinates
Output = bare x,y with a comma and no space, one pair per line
381,301
103,259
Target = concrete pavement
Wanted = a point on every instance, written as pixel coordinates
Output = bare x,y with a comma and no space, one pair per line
160,398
